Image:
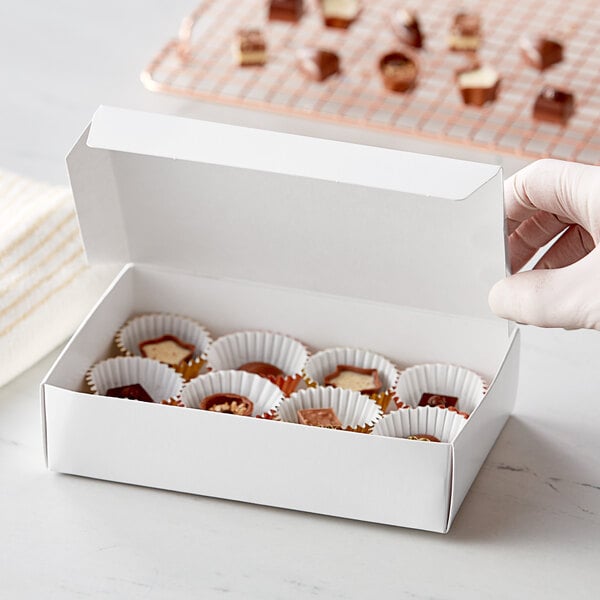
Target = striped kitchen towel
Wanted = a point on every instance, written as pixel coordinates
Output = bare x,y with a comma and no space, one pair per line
46,288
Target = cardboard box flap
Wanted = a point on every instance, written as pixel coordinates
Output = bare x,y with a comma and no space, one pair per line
287,210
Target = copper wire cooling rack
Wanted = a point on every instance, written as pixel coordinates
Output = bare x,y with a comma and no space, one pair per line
199,64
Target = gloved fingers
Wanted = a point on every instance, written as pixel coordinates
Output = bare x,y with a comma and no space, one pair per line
531,235
554,186
572,246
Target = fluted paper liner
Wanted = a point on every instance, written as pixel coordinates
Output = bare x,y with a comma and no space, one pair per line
233,350
355,411
450,380
154,325
431,420
264,394
322,363
160,381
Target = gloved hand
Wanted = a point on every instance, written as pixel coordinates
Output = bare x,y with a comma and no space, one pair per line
563,289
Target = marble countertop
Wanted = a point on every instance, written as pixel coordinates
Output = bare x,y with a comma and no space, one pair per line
529,528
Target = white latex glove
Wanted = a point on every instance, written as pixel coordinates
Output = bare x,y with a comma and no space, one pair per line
563,290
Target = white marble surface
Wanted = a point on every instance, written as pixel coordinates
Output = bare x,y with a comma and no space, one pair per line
529,528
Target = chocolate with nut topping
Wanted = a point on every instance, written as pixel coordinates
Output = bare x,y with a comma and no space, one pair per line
232,404
441,400
285,10
133,391
423,437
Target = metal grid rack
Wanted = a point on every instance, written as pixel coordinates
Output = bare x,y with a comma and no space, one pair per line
198,64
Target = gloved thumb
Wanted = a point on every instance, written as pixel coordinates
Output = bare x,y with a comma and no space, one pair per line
568,297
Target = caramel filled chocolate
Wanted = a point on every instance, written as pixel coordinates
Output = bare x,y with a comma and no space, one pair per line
423,437
319,417
231,404
349,377
540,53
318,64
554,106
167,349
398,71
286,10
438,400
262,368
406,27
133,391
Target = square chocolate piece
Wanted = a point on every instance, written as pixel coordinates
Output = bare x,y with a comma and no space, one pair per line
133,391
438,400
319,417
554,105
249,48
317,64
339,13
465,33
541,53
286,10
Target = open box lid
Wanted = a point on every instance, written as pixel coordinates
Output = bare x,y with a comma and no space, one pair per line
332,217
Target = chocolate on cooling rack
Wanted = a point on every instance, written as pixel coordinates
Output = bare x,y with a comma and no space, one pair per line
478,84
465,33
286,10
540,52
339,13
231,404
554,105
249,48
317,64
406,27
398,71
133,391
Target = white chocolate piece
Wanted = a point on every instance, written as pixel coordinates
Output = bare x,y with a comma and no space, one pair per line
167,351
341,9
463,42
481,78
350,380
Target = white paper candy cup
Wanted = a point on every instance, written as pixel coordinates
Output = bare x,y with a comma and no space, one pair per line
431,420
233,350
264,394
449,380
323,363
151,326
355,411
160,381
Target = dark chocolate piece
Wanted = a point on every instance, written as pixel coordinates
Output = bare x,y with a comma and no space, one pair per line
167,349
438,400
478,84
261,368
406,27
554,105
465,33
423,437
339,13
318,64
133,391
349,377
398,71
540,53
250,48
319,417
231,404
285,10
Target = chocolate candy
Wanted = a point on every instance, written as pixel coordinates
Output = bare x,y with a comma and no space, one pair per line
465,33
423,437
339,13
540,53
231,404
365,381
133,391
318,64
398,71
438,400
478,84
319,417
173,402
249,48
262,368
406,27
554,105
285,10
167,349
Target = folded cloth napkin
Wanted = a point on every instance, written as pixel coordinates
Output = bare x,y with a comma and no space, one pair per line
46,288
